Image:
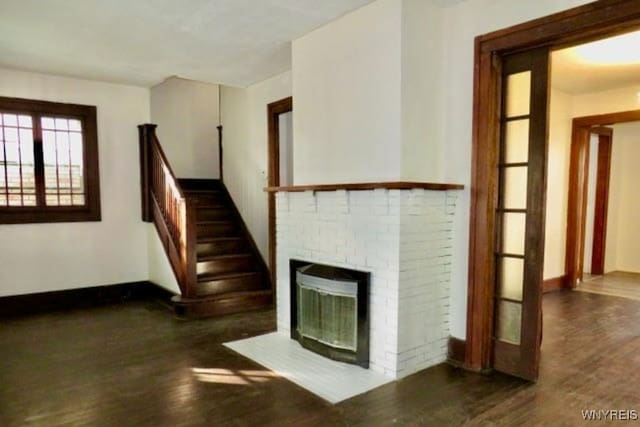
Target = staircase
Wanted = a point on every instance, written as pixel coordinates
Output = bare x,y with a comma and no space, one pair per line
213,256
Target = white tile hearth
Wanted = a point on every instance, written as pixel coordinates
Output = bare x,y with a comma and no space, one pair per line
333,381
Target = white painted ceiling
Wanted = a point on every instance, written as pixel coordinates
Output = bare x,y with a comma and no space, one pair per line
142,42
572,72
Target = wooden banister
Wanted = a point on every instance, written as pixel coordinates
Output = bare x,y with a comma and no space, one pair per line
164,204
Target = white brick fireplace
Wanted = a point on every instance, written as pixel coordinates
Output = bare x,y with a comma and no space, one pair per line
403,237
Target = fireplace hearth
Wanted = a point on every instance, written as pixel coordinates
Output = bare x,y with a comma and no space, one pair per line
330,311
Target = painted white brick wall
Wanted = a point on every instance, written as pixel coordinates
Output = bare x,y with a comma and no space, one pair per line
403,237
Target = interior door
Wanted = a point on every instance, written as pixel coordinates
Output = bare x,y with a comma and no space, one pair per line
521,213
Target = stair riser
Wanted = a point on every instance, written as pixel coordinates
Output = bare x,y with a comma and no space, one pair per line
226,265
248,283
221,307
227,247
217,200
214,214
218,230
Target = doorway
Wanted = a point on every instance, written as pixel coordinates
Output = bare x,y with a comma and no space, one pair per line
280,166
494,53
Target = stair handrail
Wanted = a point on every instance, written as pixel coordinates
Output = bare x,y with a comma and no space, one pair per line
164,204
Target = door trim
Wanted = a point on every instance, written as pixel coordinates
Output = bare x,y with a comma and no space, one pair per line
574,26
273,175
582,127
601,208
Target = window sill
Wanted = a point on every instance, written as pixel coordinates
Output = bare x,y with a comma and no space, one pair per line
29,215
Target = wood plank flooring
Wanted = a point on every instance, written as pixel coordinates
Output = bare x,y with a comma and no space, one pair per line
133,364
618,283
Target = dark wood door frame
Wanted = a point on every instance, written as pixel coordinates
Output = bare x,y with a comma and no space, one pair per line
601,208
582,128
274,110
578,25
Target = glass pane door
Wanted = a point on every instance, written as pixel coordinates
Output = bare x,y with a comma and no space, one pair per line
520,213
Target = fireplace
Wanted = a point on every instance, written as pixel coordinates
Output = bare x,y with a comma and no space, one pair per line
330,311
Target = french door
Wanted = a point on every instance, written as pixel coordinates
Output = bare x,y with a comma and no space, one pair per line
520,213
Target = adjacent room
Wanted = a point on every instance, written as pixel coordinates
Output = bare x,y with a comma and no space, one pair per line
600,78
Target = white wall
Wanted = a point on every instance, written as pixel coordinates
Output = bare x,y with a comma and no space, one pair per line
346,87
422,90
160,271
285,141
560,115
75,255
623,228
186,113
244,121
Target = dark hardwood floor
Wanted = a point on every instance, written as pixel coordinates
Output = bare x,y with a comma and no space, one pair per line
133,364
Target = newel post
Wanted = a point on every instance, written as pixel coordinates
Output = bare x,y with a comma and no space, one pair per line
146,134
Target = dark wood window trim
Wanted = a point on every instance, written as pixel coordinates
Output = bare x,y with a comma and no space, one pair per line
90,211
578,25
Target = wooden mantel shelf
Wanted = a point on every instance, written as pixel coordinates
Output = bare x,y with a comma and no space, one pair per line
395,185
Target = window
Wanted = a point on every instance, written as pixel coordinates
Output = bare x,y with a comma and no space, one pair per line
48,162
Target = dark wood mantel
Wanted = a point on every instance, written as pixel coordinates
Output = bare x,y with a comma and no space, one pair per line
393,185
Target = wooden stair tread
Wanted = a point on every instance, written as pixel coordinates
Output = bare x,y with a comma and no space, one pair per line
212,239
202,278
215,221
222,296
205,257
220,205
215,239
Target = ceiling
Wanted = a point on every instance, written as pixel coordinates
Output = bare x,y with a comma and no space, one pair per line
142,42
594,67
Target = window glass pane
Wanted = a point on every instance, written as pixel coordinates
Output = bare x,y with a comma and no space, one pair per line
25,121
15,199
509,322
513,227
52,200
10,119
51,179
10,134
65,200
511,277
29,200
515,187
48,123
62,124
516,144
518,94
74,125
28,171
